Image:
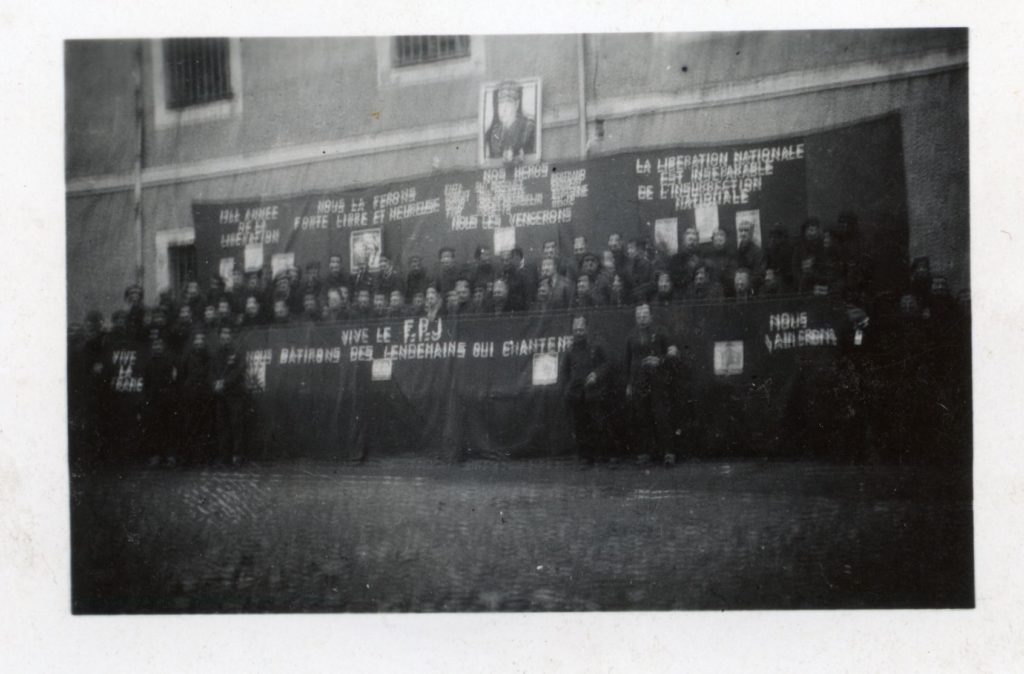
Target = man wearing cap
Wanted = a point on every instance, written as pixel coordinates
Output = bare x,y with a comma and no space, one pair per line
512,135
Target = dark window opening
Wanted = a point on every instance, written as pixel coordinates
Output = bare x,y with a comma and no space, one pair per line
197,71
182,267
413,50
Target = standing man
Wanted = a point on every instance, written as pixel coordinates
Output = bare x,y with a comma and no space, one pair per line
229,395
588,371
646,347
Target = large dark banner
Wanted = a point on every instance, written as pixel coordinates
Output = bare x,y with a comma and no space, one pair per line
650,193
492,386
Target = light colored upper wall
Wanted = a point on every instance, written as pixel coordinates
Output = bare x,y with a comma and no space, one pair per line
298,92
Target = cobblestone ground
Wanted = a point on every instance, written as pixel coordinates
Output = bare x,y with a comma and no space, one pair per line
406,535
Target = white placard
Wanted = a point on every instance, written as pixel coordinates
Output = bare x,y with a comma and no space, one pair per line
706,219
254,257
281,262
227,267
754,218
666,234
545,369
504,239
380,370
729,358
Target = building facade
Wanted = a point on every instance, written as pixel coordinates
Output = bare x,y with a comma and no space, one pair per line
145,139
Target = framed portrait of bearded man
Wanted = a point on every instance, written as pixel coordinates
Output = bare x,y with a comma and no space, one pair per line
510,122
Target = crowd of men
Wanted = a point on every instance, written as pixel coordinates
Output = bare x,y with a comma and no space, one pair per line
193,357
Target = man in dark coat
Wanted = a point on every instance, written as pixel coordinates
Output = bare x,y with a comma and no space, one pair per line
587,372
228,377
749,254
159,404
512,135
196,398
646,347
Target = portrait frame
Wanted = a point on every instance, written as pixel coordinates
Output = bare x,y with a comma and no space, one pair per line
358,243
530,107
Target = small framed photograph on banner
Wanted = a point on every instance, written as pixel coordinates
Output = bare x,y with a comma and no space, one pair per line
365,248
545,369
510,122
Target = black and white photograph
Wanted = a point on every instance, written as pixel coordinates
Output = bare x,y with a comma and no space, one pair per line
509,112
722,362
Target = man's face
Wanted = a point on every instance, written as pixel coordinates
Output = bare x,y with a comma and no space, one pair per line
590,265
908,305
507,109
718,239
158,346
396,299
344,294
223,309
385,265
583,286
744,233
199,341
334,265
500,290
700,277
549,250
690,239
615,243
452,299
415,263
608,260
643,315
579,328
770,280
617,284
741,282
478,295
431,298
579,245
309,303
209,313
280,309
363,299
379,301
192,289
334,299
225,336
185,314
632,251
664,284
462,291
543,292
447,259
812,233
418,300
547,268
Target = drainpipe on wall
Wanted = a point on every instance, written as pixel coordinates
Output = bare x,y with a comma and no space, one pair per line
137,169
581,78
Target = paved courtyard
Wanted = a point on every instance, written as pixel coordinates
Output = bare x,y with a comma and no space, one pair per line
411,535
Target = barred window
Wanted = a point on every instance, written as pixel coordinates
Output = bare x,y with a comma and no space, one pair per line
197,71
416,49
